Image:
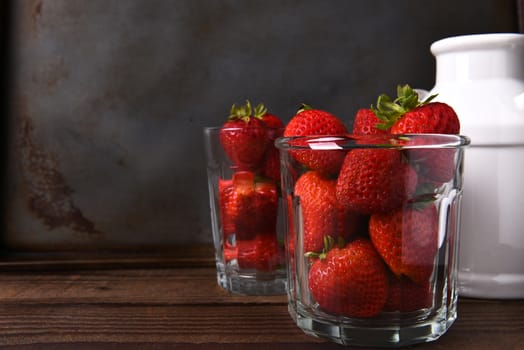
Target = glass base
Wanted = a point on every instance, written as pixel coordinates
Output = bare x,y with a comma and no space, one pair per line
251,282
389,332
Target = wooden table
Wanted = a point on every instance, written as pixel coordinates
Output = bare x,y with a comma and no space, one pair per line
174,302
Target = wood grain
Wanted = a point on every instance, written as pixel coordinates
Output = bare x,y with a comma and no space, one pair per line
194,255
182,307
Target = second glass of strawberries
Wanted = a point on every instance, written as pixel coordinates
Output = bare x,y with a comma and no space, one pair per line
245,202
372,238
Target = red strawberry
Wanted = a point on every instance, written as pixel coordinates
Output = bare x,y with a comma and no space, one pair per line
350,281
266,205
407,240
274,124
244,205
348,222
272,121
271,164
261,254
406,296
255,205
290,238
230,252
314,122
407,115
374,180
431,118
226,197
321,214
435,117
434,165
366,122
245,138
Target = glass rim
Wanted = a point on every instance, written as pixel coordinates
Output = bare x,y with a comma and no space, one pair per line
388,141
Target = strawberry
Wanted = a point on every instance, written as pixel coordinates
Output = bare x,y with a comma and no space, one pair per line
407,115
350,281
244,137
226,197
320,211
271,162
252,205
255,205
243,208
406,296
271,165
374,180
407,240
431,118
315,122
230,252
274,124
266,206
348,222
261,254
434,165
290,225
365,123
271,120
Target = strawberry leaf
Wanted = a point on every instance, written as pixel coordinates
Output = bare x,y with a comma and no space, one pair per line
407,98
260,111
329,243
233,110
243,112
389,111
304,107
341,243
429,99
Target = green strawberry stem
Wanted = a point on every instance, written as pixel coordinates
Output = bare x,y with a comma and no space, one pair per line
389,111
260,111
245,112
329,243
304,107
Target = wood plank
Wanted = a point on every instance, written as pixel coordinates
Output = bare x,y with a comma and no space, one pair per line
92,305
184,255
177,346
227,324
151,308
174,286
127,323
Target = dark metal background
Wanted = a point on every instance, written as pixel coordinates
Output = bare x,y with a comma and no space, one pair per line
107,98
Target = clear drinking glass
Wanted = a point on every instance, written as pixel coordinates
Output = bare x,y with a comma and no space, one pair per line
245,202
372,248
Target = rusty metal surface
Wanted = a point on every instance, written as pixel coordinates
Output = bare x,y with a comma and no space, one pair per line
109,98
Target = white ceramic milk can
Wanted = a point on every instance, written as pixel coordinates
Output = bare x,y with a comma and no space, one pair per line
482,78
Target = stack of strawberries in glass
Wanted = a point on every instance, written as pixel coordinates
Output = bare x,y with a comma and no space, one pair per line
249,199
371,212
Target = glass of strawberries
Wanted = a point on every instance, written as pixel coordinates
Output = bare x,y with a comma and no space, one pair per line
243,169
372,221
